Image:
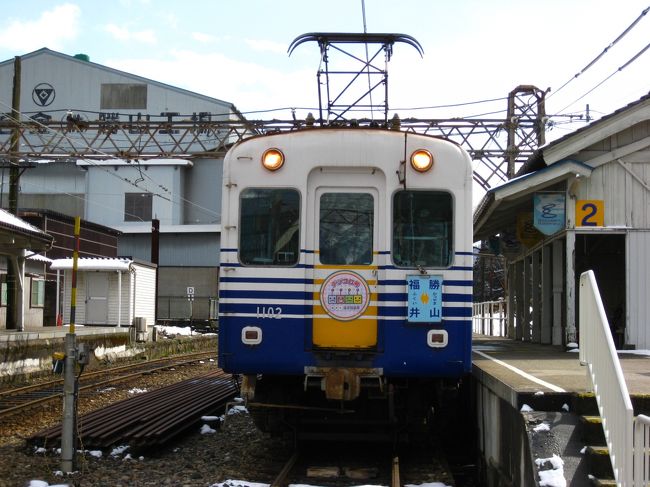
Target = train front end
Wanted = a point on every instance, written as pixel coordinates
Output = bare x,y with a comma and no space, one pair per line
346,267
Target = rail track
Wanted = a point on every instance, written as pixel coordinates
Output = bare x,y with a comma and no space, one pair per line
17,399
339,465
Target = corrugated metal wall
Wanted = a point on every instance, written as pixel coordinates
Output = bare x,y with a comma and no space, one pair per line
638,289
145,293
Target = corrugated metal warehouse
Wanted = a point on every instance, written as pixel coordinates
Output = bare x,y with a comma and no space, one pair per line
183,193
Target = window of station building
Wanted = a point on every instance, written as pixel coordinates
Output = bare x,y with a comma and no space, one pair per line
346,227
137,207
123,96
422,229
37,293
3,292
269,227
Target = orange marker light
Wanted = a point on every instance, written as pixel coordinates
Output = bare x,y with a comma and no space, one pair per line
273,159
421,160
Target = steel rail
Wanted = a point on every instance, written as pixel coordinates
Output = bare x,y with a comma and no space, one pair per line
146,369
281,479
153,418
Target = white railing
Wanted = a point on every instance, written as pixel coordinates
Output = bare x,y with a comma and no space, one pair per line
641,443
489,318
597,351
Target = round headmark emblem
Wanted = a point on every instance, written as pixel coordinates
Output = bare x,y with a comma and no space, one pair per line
43,94
344,295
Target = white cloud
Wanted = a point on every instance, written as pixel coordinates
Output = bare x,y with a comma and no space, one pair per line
52,29
202,37
248,86
266,46
123,34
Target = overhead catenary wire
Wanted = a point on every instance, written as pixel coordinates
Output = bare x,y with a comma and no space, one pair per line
111,157
599,56
618,70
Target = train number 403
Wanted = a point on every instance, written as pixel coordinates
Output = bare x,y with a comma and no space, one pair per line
269,312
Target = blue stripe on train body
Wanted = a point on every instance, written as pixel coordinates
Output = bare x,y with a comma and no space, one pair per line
402,349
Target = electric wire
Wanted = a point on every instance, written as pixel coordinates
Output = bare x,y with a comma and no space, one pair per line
597,58
618,70
110,157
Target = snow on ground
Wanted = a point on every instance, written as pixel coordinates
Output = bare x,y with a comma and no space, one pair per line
174,330
553,476
542,427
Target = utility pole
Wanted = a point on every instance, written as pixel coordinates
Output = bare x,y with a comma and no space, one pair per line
155,258
14,178
74,355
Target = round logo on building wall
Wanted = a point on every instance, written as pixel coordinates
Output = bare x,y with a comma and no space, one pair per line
345,295
43,94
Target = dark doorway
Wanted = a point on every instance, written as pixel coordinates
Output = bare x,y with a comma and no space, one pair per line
605,255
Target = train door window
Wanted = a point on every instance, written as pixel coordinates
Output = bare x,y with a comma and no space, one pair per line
422,229
269,227
346,227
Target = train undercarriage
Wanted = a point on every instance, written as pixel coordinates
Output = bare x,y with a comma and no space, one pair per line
383,409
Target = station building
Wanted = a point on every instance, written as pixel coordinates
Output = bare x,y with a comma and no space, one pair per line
183,193
579,203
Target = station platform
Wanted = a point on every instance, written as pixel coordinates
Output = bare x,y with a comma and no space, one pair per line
57,332
525,368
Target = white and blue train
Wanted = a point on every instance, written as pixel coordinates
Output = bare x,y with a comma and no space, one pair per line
346,271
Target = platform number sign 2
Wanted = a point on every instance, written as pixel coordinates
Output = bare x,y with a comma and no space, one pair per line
590,213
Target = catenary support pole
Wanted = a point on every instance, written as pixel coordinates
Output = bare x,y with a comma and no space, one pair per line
68,437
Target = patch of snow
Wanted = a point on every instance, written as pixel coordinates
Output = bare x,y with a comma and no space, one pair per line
584,450
136,390
539,393
39,449
237,410
526,409
106,389
211,419
573,350
565,406
95,453
174,330
239,483
112,353
542,427
206,430
118,450
127,457
553,476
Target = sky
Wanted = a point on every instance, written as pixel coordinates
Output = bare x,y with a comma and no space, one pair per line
474,50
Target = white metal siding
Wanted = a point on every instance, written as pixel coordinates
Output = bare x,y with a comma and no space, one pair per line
136,301
145,293
638,289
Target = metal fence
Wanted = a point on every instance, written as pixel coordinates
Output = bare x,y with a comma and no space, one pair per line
182,309
489,318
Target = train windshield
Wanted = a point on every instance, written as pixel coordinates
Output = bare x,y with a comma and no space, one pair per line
422,229
346,226
268,227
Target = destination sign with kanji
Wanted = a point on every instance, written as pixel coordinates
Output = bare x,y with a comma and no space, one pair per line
424,299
